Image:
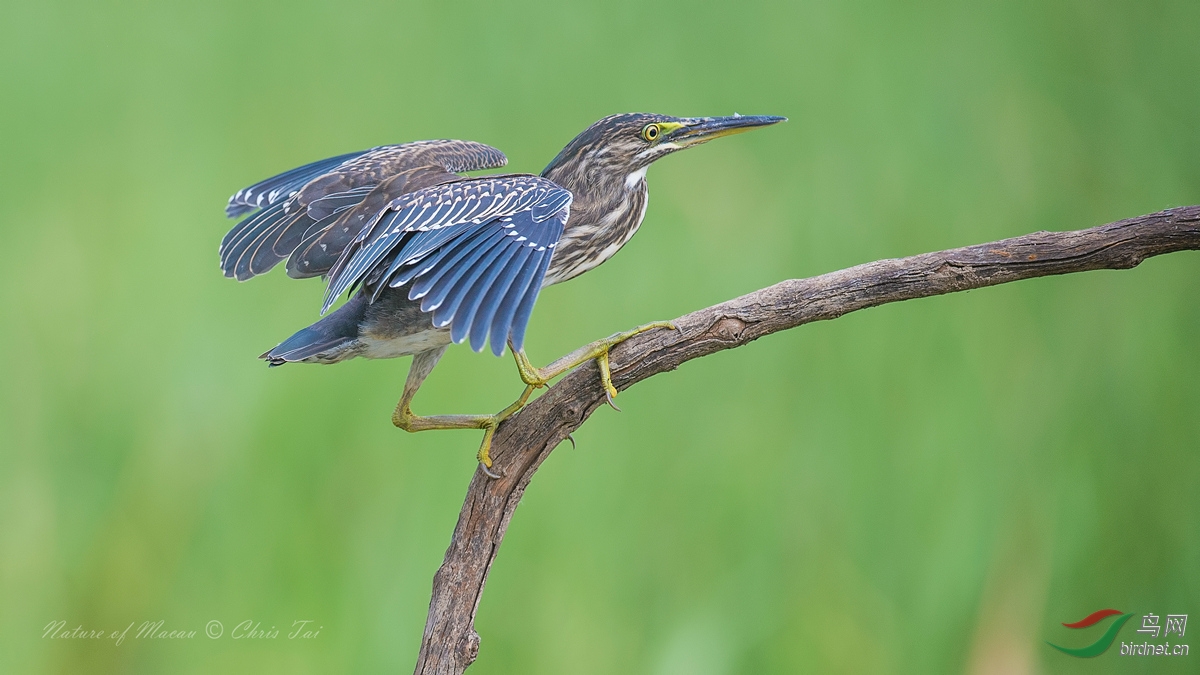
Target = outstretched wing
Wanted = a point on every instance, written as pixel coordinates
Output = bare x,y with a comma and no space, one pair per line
474,252
287,219
340,216
278,188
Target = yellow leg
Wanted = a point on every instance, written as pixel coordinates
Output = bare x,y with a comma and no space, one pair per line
538,377
406,420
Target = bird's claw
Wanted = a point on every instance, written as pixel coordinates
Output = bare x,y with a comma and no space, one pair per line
485,455
608,396
488,472
572,439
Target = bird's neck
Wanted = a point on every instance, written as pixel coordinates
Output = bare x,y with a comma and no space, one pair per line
606,210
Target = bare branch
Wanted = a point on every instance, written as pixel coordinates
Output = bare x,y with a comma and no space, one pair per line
450,643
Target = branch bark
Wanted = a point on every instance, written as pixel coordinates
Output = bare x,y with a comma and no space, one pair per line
450,643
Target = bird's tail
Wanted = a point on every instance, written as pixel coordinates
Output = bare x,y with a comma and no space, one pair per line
329,340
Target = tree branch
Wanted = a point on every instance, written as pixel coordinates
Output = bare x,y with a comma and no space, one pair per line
450,643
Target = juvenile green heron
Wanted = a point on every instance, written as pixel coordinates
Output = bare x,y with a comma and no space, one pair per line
437,257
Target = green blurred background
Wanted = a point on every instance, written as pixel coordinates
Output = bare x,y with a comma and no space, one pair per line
926,487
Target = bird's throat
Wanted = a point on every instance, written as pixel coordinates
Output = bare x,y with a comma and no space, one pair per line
632,180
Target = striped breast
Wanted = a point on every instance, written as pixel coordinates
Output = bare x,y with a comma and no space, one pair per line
594,233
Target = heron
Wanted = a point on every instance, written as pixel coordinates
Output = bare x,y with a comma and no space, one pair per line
430,257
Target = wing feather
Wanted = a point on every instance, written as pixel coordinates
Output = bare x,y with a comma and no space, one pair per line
429,288
239,231
318,254
310,193
323,207
486,322
539,262
485,198
473,252
476,314
457,285
278,188
241,245
502,324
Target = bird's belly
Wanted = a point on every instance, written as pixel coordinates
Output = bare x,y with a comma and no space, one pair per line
388,347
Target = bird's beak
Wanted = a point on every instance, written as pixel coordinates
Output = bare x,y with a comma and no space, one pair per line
703,129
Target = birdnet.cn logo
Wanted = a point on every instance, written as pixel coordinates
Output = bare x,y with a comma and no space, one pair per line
1154,627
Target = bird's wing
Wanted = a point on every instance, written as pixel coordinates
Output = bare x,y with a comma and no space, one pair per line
259,242
278,188
474,252
337,218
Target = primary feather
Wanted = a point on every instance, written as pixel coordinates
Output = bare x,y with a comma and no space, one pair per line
294,201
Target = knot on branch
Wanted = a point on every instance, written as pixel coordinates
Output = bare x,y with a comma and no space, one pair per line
468,650
728,329
572,412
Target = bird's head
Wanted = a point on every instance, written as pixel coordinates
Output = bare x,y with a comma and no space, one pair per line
622,146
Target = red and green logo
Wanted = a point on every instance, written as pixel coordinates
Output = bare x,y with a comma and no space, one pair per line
1099,646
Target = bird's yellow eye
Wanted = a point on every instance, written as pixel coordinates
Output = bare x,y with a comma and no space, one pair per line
650,132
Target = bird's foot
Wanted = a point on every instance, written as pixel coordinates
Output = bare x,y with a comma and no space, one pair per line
539,377
484,454
485,459
404,419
